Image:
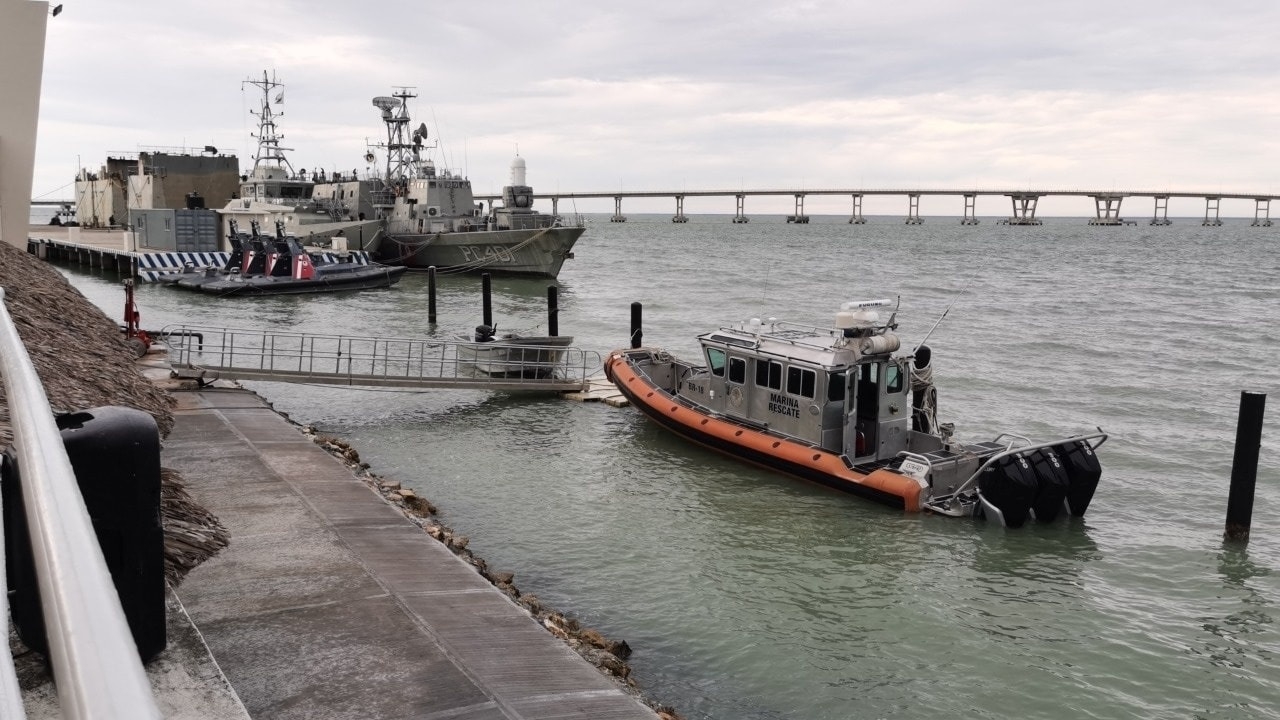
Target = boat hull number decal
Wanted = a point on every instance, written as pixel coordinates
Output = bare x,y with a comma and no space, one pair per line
486,253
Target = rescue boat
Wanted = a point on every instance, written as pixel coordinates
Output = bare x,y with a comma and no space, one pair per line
841,406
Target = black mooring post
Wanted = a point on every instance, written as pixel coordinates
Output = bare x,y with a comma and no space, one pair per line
487,299
636,334
431,294
1244,466
553,311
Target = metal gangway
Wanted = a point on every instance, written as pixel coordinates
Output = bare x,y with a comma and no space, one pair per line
209,354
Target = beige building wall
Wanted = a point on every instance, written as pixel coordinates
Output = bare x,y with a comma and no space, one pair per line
22,27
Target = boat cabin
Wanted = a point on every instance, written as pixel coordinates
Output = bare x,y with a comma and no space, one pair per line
840,389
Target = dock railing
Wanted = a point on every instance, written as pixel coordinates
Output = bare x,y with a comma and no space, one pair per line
233,354
91,650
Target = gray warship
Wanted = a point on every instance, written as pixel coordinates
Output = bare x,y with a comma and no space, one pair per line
429,217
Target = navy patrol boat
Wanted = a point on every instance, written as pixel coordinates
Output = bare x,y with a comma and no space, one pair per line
842,407
429,217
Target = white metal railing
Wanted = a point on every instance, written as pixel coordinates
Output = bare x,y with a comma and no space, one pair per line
228,353
91,650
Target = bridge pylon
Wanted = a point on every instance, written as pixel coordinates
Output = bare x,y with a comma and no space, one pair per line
1106,210
1161,214
1261,212
799,216
1211,207
970,210
856,218
738,216
680,217
1024,210
913,210
617,210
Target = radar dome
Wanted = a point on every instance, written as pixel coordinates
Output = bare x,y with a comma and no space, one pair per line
517,172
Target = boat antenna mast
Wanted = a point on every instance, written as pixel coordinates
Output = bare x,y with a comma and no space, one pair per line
403,146
940,319
270,154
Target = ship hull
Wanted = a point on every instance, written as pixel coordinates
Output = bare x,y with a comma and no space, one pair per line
537,252
221,284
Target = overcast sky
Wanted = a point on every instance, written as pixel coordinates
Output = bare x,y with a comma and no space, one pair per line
686,94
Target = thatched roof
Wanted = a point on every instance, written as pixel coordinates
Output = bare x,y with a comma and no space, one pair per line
83,361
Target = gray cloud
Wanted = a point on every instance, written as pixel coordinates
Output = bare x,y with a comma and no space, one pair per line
695,94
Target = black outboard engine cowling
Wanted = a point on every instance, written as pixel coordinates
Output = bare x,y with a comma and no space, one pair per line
484,333
1083,473
1053,482
1009,486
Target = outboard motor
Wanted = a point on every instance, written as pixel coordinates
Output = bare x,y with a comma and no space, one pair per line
484,333
1052,481
1083,473
1007,488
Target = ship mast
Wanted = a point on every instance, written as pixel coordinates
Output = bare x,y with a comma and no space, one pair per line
270,155
404,147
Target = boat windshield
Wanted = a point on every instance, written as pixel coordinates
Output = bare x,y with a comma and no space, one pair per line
715,360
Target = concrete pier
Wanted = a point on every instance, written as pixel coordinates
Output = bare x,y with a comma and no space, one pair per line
330,603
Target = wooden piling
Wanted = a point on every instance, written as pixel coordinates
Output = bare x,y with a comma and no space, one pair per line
1244,466
553,311
637,336
431,295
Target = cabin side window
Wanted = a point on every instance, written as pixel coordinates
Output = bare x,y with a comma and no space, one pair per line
715,361
835,387
800,381
769,374
737,370
893,378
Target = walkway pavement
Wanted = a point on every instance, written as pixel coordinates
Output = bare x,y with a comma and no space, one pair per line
329,603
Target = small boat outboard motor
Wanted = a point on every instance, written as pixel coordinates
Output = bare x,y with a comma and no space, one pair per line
1052,484
484,333
1083,473
1007,488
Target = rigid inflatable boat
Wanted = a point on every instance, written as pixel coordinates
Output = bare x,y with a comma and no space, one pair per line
279,265
840,406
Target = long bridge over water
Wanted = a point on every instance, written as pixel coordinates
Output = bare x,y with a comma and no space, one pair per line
1023,202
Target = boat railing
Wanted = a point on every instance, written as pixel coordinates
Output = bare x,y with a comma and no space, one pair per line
574,221
239,354
91,649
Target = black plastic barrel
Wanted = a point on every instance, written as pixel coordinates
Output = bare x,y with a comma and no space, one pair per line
115,453
1010,485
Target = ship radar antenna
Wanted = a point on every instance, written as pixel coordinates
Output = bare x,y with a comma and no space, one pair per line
403,145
